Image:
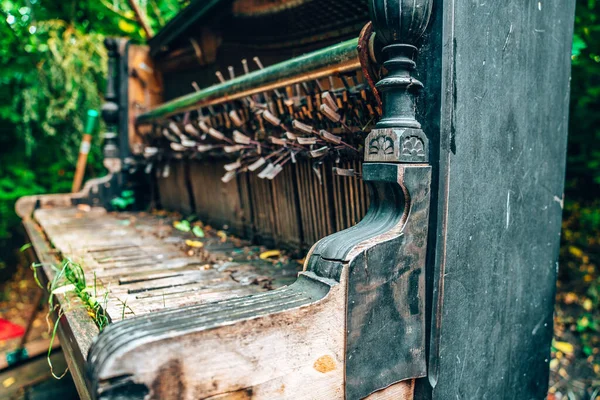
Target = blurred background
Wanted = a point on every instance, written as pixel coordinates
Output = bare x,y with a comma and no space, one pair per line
52,70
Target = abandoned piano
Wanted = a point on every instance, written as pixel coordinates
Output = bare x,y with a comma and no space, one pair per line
320,199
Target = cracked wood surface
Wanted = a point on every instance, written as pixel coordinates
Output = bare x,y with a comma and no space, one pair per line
145,265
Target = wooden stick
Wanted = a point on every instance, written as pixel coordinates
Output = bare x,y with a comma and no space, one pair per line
141,17
84,149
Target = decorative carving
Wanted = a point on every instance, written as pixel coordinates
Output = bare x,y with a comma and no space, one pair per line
396,20
399,25
407,145
413,146
382,145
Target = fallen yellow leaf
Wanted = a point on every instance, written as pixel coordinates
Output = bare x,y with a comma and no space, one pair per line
587,305
8,382
222,235
269,254
575,251
194,243
565,347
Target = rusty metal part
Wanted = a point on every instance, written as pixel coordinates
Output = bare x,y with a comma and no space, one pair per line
366,63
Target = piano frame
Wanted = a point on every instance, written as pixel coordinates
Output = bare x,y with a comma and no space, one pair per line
448,271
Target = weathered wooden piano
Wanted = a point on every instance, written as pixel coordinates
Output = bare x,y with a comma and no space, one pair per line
405,161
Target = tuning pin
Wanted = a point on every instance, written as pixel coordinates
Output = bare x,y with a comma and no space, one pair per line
228,176
257,164
220,76
260,66
231,72
166,171
258,63
245,66
148,168
319,86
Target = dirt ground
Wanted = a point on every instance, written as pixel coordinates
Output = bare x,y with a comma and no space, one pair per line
17,298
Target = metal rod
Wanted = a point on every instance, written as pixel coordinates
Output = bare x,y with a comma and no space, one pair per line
332,60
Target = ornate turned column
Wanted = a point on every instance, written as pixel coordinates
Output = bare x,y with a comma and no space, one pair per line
399,26
110,109
385,343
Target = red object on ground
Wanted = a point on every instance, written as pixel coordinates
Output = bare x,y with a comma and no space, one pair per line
8,330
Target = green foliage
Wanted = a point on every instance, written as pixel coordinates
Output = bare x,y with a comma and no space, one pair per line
126,199
583,165
52,70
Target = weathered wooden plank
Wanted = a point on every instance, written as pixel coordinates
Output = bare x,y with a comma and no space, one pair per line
504,101
259,352
149,267
76,330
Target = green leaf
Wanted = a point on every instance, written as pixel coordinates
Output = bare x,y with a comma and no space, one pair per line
198,232
25,247
578,45
183,226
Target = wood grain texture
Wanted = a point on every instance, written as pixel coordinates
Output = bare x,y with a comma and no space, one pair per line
504,99
143,264
263,346
75,329
144,91
399,391
173,183
386,291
